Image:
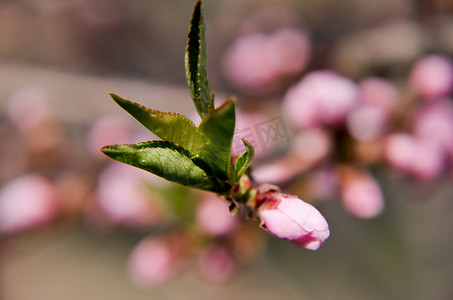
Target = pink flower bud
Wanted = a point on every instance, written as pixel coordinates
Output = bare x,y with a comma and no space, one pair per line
379,93
290,218
429,160
153,262
123,197
300,108
290,51
243,63
216,264
399,150
312,145
321,97
213,217
362,196
256,63
432,77
366,123
416,156
435,123
26,203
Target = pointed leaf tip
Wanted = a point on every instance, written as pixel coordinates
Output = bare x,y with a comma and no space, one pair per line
244,161
196,63
171,127
163,159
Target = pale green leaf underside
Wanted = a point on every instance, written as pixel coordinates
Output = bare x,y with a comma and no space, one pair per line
196,63
244,161
163,159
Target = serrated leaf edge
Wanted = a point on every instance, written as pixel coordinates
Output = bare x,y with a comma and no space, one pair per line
196,42
114,96
158,144
150,145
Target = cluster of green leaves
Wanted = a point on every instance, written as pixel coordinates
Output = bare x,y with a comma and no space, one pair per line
194,156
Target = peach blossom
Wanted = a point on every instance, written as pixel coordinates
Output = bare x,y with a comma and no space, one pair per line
435,123
366,123
379,92
415,156
26,203
432,76
312,145
321,97
362,197
256,63
290,218
152,262
123,197
399,150
213,217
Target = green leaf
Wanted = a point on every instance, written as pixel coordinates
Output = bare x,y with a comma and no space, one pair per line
196,65
218,127
244,161
170,127
163,159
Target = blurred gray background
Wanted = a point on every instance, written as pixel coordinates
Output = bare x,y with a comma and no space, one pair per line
79,50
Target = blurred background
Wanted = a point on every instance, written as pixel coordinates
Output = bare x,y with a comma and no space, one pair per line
347,103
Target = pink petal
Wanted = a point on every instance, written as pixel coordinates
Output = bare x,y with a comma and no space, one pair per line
280,224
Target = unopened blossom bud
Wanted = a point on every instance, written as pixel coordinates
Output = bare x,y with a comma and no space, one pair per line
416,156
399,150
361,196
257,63
26,203
290,218
289,50
213,217
432,77
379,92
242,188
300,109
429,160
122,196
312,145
153,262
321,97
366,123
435,123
